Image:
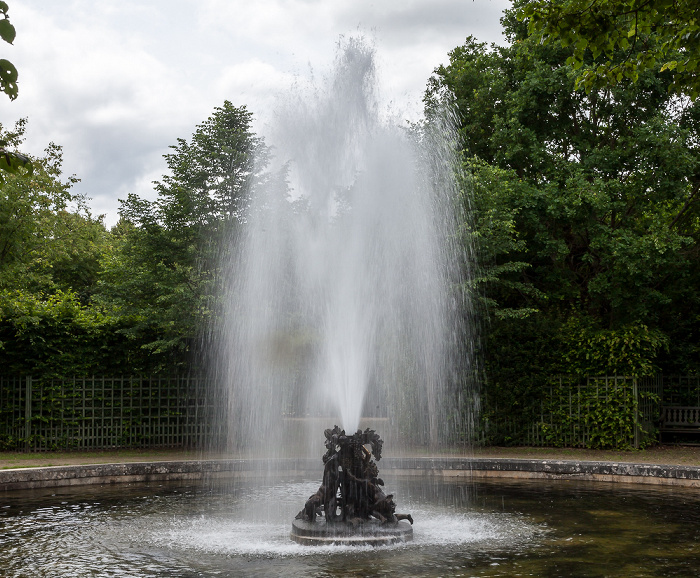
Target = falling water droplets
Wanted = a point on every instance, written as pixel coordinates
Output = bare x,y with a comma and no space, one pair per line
342,300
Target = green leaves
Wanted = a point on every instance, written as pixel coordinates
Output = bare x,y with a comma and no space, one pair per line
7,31
629,351
584,207
8,72
598,412
8,78
56,336
210,174
49,240
12,162
590,183
623,38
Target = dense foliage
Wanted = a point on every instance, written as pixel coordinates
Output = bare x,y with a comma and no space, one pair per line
78,299
163,270
585,213
616,39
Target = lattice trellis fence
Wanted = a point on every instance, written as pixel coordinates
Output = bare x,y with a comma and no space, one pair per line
107,412
182,411
595,412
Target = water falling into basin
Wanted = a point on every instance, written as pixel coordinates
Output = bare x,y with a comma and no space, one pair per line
344,297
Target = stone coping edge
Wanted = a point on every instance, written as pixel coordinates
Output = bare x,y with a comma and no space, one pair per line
56,476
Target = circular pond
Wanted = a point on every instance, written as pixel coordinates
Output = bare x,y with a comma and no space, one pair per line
462,528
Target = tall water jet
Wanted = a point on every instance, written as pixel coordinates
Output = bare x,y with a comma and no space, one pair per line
345,289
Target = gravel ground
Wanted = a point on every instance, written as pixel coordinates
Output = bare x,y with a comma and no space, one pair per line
665,454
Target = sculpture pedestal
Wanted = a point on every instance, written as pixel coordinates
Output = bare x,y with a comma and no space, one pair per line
369,533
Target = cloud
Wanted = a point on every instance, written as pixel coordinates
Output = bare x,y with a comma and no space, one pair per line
417,21
252,82
118,81
101,94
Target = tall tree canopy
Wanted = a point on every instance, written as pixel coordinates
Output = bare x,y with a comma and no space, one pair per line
51,253
49,240
585,204
585,211
75,298
616,39
165,265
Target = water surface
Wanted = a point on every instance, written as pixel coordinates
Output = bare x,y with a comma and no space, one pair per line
503,528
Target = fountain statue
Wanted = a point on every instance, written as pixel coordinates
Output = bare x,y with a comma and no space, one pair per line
354,507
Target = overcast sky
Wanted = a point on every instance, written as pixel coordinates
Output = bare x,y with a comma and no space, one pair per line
115,82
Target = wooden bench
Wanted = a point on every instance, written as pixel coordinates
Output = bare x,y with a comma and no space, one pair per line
680,419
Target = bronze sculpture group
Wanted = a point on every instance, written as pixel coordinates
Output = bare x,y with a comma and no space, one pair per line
351,490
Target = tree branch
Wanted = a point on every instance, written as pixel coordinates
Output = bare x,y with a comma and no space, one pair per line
689,202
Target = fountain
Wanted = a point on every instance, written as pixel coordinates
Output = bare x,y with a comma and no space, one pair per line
345,300
345,286
354,507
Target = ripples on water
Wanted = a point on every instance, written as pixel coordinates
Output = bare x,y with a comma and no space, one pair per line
469,529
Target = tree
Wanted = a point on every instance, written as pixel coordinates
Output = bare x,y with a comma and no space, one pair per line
210,175
626,38
164,266
592,198
51,250
49,240
12,161
490,199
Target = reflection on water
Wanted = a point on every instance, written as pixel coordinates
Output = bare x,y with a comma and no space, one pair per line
503,528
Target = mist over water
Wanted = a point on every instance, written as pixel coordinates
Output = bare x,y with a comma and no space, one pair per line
344,298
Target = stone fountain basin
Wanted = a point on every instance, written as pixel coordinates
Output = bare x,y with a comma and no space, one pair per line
57,476
479,526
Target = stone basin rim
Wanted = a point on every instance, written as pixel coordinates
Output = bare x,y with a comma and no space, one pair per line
447,467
